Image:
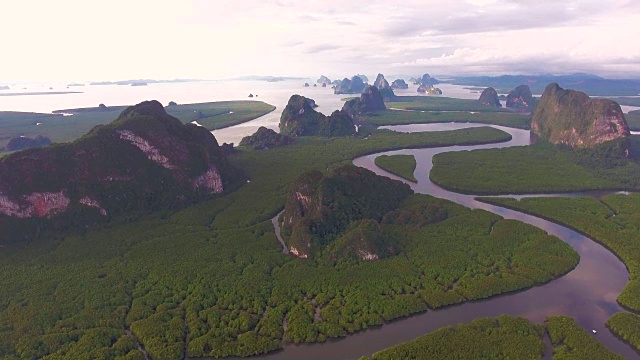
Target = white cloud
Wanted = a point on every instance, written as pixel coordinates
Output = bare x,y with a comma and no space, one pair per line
78,40
482,2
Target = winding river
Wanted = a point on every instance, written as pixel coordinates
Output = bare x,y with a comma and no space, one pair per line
588,293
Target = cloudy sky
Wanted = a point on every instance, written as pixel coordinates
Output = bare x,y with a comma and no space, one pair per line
122,39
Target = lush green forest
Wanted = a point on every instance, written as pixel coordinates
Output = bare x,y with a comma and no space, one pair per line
620,233
438,103
341,210
433,109
59,128
594,217
211,279
401,165
396,117
571,342
626,326
534,169
504,337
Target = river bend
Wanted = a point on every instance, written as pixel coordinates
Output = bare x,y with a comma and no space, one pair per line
588,293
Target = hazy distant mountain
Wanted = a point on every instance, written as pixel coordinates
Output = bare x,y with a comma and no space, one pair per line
588,83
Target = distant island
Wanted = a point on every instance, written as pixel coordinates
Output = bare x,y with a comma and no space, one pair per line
265,78
140,81
41,93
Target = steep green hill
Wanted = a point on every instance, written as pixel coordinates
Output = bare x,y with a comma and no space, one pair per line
320,208
572,118
144,161
300,119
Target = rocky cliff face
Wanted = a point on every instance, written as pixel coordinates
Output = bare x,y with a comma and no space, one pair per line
381,83
520,98
489,97
399,84
144,160
323,210
364,78
344,87
355,85
323,80
370,100
426,80
339,123
300,119
429,90
572,118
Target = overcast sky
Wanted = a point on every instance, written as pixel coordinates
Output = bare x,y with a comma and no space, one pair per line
115,39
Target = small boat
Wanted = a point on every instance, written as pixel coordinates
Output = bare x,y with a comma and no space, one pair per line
594,331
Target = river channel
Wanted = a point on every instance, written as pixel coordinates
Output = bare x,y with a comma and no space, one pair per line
587,293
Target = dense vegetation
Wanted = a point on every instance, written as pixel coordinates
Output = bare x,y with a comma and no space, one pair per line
220,114
300,119
433,103
504,337
264,139
535,169
401,165
320,208
521,99
626,326
489,97
106,175
620,233
395,117
230,291
428,109
370,100
212,277
571,342
594,217
59,128
23,142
